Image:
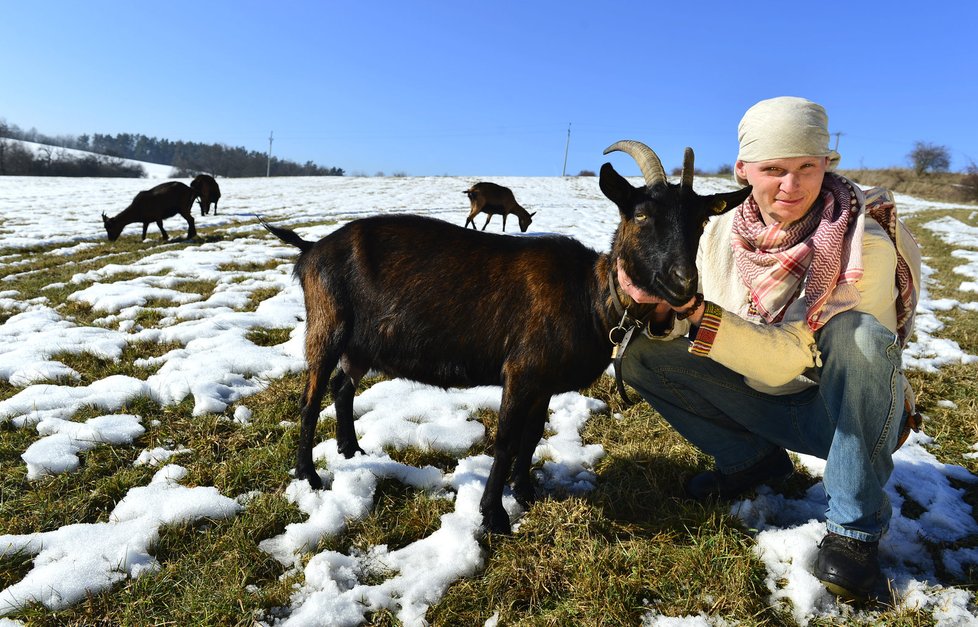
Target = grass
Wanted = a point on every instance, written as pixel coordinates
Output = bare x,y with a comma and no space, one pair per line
606,557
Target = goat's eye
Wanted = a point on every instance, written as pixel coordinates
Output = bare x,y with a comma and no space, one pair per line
640,216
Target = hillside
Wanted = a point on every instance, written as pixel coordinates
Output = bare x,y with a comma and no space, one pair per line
152,170
938,186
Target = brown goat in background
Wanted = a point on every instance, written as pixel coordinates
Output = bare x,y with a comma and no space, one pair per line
395,293
492,199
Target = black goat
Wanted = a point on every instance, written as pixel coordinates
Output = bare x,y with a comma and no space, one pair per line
395,293
208,191
155,205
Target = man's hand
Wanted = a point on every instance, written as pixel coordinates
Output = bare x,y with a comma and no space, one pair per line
661,314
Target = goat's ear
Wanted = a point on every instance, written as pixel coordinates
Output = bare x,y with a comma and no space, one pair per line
614,186
722,203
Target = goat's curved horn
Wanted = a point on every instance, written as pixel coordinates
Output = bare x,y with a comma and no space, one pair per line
648,162
686,181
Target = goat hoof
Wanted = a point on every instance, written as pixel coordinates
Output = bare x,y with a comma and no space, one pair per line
349,450
315,482
525,495
497,523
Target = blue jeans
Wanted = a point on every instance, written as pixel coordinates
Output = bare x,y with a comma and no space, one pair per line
851,418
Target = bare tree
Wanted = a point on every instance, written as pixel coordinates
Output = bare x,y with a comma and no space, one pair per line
929,157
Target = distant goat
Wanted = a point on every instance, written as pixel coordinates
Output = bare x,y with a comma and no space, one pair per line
208,191
395,294
155,205
492,199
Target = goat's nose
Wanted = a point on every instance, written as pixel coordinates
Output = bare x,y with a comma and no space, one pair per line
683,276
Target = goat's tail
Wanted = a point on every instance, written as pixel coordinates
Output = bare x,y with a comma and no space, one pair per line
286,235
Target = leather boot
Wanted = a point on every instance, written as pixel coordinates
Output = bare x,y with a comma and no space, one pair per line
849,568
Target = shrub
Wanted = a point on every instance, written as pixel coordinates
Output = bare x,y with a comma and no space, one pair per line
927,157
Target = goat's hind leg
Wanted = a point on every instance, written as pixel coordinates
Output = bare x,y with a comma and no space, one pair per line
344,387
322,355
316,380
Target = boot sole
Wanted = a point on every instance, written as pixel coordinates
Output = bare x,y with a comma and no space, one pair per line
843,592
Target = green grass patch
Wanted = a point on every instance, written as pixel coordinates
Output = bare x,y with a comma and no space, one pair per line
268,337
258,295
250,266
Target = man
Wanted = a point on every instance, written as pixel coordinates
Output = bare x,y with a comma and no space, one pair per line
810,288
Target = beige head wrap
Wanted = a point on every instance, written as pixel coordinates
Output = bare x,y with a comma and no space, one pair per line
784,127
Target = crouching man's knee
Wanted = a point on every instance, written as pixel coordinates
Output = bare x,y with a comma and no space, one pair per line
858,339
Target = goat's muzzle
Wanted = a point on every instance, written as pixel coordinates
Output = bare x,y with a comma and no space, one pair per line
677,287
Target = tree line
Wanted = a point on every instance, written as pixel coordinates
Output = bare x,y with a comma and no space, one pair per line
187,158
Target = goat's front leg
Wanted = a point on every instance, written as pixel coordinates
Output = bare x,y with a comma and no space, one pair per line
145,226
512,414
159,225
488,217
504,222
191,225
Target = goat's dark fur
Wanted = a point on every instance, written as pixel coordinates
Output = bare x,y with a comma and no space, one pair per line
396,294
208,192
155,205
492,200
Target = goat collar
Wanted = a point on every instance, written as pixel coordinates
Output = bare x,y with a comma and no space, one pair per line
621,335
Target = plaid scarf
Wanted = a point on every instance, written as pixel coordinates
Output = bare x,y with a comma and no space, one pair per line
880,207
820,253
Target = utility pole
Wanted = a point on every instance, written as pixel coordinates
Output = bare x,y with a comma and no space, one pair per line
837,135
268,168
566,150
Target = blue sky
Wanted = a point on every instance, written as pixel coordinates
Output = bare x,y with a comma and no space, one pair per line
479,89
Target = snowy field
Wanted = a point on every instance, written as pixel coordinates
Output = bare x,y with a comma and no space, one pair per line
220,369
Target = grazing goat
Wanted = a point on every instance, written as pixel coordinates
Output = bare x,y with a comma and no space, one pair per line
155,205
208,191
492,199
395,294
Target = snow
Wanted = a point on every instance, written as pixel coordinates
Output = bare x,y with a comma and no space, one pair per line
217,366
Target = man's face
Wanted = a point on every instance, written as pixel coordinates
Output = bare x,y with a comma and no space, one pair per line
785,189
